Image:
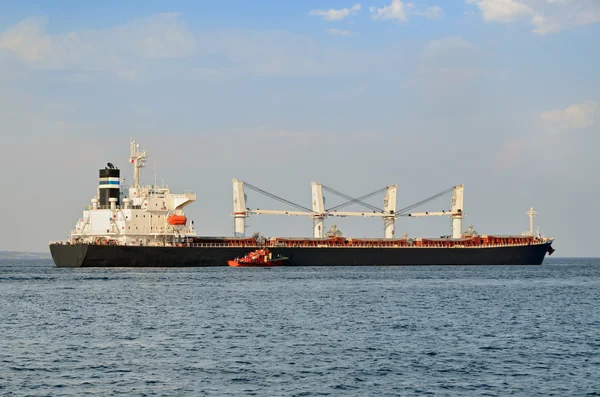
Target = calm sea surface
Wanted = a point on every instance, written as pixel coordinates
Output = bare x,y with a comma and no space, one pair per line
493,331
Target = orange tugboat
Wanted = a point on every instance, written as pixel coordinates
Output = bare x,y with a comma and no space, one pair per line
259,258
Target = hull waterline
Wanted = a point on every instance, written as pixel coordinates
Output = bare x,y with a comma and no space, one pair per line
87,255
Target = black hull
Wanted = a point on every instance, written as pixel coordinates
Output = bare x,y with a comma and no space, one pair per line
136,256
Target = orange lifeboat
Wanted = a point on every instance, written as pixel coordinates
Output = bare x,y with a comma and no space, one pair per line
177,220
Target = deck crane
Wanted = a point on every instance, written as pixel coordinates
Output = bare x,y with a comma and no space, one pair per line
388,213
318,212
241,212
456,212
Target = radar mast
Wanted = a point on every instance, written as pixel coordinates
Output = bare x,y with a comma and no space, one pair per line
137,158
531,214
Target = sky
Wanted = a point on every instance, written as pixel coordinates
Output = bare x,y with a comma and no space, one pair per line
502,96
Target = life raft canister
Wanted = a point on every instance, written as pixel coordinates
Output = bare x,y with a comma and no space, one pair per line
177,220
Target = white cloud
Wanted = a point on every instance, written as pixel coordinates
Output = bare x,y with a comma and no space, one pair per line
336,15
434,12
339,32
576,116
566,16
126,51
546,17
278,53
393,11
545,25
158,36
447,44
502,10
27,42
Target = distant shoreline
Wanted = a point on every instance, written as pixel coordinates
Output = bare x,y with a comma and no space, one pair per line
24,255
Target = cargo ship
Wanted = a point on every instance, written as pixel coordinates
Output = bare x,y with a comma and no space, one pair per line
146,226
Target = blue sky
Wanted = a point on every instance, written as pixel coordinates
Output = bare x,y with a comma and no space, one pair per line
501,95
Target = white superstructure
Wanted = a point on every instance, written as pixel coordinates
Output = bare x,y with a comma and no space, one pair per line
140,215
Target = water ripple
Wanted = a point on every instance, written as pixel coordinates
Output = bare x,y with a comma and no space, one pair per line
300,332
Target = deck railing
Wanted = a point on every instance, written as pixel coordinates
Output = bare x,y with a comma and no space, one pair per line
253,246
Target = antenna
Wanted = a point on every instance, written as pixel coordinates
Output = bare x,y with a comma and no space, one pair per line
155,174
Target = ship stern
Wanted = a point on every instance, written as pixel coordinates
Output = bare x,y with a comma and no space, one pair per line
68,255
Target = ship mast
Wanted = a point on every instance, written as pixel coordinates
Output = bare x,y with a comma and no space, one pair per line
531,213
138,159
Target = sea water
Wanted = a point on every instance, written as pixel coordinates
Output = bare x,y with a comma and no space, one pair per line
343,331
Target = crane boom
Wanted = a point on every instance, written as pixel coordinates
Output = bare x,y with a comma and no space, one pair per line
419,214
279,212
363,214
